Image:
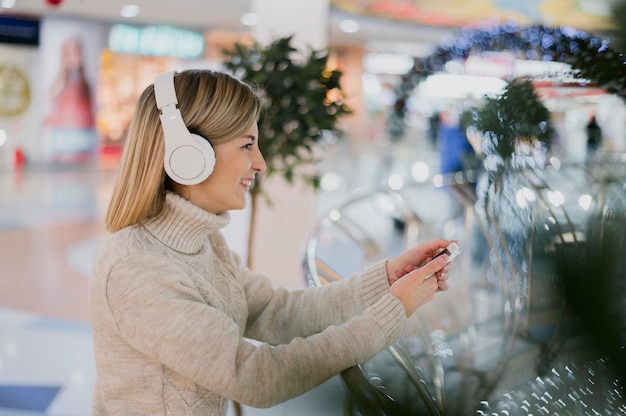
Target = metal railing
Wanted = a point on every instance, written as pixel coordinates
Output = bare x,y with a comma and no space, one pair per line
497,327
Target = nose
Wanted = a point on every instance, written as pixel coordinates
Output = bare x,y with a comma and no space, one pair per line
258,163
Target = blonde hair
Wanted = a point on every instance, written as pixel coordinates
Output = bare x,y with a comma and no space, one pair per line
214,105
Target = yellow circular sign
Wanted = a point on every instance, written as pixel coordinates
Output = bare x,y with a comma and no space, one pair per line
14,91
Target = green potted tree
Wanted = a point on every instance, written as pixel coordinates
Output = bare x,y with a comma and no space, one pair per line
513,125
524,211
302,102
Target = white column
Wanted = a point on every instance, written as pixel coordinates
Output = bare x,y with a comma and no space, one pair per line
307,20
282,229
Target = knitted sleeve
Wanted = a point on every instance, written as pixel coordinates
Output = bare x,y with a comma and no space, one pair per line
161,315
277,315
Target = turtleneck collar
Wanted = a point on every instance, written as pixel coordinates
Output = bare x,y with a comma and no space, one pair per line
184,226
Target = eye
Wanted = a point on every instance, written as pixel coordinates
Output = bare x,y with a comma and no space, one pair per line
248,146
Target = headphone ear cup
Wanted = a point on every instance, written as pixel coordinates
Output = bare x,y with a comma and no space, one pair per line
191,161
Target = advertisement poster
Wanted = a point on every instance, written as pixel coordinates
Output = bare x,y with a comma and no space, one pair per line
70,62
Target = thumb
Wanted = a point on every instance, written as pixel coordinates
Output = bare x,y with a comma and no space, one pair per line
434,265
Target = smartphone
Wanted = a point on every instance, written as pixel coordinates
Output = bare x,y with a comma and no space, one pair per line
452,251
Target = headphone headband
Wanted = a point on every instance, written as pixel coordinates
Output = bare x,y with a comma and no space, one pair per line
164,90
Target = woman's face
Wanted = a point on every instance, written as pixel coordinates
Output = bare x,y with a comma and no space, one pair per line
72,55
236,163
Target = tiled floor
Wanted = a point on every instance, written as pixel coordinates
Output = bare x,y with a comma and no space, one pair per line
49,225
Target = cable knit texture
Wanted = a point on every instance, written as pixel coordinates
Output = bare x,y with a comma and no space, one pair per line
172,310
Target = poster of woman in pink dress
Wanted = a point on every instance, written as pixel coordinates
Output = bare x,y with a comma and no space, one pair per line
70,121
70,51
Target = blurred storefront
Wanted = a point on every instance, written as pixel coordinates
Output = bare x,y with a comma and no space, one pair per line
134,56
461,84
48,91
19,114
68,86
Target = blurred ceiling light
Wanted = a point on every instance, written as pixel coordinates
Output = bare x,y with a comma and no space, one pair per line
420,171
387,63
129,10
556,198
386,203
395,181
523,196
330,182
555,162
7,4
349,26
585,201
249,19
460,86
334,215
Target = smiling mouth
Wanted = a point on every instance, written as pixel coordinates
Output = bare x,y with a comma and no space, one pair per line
247,183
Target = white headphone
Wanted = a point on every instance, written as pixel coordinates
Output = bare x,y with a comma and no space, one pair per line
189,158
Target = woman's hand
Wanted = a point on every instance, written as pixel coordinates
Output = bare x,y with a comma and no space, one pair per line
409,274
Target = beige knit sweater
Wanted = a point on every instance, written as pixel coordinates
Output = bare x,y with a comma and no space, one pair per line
172,307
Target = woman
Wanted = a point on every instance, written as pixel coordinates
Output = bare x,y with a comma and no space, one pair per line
171,306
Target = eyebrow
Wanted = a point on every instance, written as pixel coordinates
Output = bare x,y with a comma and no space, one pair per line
249,136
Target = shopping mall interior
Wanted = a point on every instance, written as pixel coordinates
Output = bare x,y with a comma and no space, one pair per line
409,157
